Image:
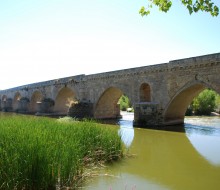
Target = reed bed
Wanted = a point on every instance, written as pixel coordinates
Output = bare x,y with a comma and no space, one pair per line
44,153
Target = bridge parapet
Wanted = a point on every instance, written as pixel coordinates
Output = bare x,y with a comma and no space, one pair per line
66,80
128,72
195,62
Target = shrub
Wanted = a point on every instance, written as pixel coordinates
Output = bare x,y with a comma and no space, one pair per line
124,103
203,104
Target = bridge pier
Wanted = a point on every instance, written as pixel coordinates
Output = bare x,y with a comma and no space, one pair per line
45,106
7,105
147,114
82,109
23,105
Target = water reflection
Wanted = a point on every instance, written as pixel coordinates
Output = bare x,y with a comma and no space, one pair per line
203,125
202,132
165,159
126,129
204,135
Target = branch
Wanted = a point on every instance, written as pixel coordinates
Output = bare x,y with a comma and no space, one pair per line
192,6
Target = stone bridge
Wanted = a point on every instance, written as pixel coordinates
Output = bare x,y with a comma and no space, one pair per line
160,94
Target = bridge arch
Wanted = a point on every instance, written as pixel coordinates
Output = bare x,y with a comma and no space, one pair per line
145,92
64,99
107,105
36,98
15,103
3,102
4,98
175,111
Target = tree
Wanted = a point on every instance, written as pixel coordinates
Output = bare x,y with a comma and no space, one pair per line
204,104
217,103
193,6
124,103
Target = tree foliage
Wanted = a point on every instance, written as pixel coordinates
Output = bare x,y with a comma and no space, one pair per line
124,103
217,103
193,6
204,104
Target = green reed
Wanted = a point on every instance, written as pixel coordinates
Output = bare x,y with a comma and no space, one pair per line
44,153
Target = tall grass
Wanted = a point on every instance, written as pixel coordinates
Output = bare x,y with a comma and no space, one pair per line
43,153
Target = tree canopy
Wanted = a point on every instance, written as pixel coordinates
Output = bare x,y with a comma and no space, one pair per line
193,6
205,103
124,103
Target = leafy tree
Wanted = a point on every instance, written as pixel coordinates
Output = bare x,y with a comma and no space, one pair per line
193,6
124,103
204,104
217,103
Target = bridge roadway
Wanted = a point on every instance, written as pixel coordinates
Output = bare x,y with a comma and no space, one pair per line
160,94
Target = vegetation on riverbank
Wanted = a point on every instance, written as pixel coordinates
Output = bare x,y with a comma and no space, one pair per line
44,153
124,103
206,102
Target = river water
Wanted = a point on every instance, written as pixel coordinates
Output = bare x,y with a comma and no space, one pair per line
165,160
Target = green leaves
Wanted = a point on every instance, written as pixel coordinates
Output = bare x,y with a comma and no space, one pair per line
124,103
164,5
204,103
144,12
207,6
192,6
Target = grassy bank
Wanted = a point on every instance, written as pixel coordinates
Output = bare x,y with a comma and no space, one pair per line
44,153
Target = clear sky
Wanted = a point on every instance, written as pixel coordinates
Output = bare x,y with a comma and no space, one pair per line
47,39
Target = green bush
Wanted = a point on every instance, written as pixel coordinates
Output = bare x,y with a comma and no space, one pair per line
205,103
124,103
217,103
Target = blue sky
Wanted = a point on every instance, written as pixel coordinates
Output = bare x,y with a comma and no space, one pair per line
48,39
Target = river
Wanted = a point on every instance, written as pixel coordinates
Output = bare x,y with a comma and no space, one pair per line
165,160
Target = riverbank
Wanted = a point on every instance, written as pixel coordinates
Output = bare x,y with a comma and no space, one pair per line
215,114
45,153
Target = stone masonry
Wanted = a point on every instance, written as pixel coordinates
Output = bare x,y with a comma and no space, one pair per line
160,94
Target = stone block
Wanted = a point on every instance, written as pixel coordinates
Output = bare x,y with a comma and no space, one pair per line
147,114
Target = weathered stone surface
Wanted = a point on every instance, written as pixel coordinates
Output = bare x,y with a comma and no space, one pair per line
46,105
7,105
147,114
171,85
81,110
23,105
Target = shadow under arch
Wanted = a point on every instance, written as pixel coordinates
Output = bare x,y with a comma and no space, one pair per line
3,100
16,100
4,103
36,98
107,106
175,111
63,100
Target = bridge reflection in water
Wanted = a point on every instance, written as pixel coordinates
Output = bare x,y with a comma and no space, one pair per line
166,159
